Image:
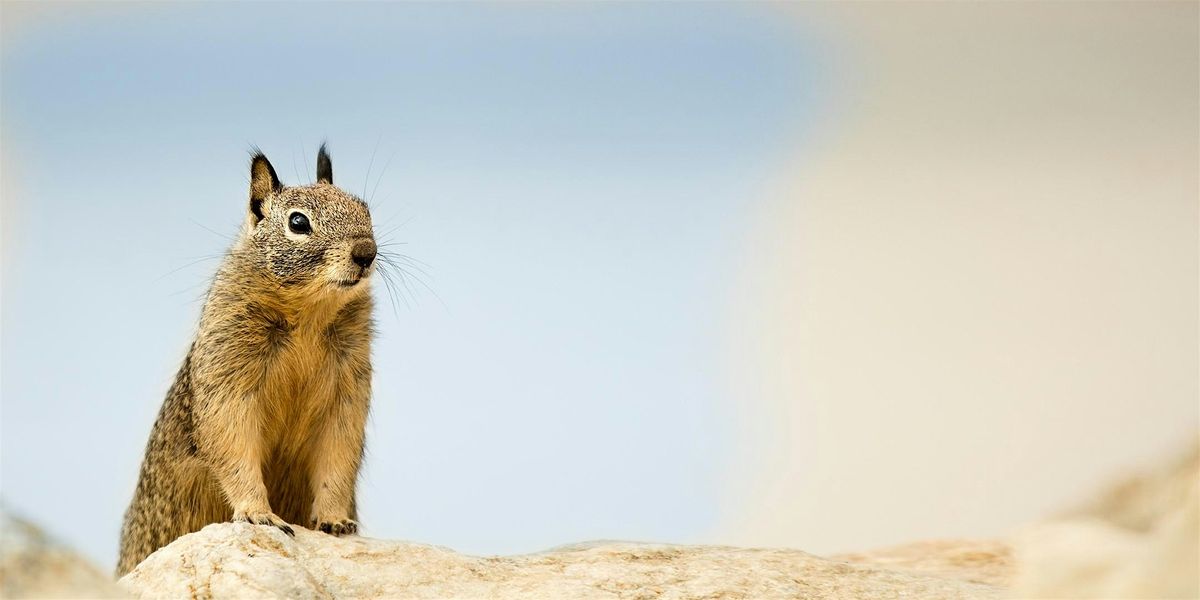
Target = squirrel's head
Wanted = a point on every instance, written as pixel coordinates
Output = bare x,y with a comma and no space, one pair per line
308,238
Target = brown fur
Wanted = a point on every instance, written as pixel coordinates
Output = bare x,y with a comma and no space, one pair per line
265,420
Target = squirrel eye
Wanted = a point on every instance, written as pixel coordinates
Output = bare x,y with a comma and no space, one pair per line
298,223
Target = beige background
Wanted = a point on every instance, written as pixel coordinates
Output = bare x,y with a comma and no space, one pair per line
977,299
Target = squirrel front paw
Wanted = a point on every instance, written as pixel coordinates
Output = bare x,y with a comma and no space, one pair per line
335,526
264,518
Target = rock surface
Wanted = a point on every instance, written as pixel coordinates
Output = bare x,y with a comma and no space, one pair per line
986,562
33,565
1139,539
234,560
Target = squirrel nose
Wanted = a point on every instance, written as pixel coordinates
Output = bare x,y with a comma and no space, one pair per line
363,253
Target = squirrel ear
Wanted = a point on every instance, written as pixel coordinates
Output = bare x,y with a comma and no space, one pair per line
324,166
263,182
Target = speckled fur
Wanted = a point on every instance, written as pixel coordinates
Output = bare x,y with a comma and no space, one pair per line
264,422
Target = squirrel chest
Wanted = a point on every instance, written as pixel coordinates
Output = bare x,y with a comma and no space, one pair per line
308,364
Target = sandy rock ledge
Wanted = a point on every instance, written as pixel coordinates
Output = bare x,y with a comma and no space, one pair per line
35,565
234,560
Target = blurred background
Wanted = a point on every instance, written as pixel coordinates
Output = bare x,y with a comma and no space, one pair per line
809,275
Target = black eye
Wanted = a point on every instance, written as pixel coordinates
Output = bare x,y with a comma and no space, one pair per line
298,223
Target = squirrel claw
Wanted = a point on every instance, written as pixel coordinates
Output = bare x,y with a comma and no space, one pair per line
266,519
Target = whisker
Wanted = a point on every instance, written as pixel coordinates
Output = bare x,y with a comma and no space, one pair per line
381,174
403,281
389,232
411,259
304,155
211,230
371,163
188,264
387,282
408,262
388,221
389,259
294,169
385,270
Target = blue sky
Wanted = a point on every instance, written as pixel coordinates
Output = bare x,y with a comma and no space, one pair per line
577,177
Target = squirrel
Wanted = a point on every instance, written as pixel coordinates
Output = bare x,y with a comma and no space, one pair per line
265,420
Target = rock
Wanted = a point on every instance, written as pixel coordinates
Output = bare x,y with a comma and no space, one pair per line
987,562
239,560
1140,539
32,565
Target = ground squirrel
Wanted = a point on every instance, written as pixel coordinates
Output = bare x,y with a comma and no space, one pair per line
264,422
